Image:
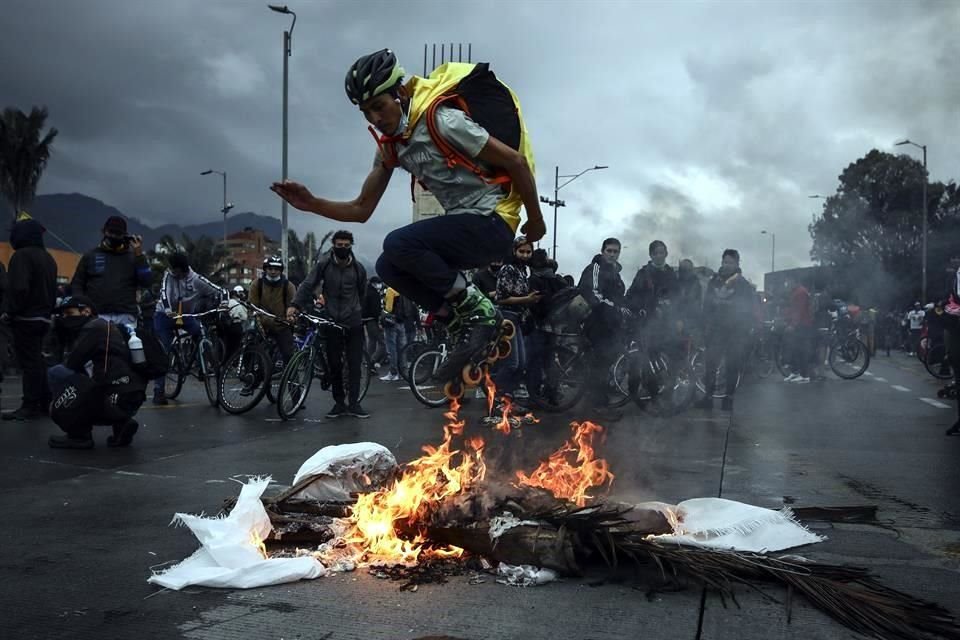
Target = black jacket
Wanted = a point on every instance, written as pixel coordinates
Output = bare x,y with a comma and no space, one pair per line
486,281
650,287
372,303
343,288
689,298
600,283
111,279
32,278
547,282
728,304
103,345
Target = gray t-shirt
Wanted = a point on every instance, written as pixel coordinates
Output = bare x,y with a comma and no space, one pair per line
458,190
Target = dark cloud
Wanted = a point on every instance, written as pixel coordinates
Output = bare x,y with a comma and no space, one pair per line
717,120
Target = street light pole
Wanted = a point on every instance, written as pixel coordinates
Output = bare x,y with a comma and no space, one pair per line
773,249
923,148
556,202
287,52
226,206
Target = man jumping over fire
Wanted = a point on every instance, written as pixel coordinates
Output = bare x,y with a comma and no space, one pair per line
461,134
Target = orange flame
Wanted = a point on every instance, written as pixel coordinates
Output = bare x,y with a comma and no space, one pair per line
422,485
571,480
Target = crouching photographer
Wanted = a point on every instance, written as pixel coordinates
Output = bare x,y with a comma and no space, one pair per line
102,379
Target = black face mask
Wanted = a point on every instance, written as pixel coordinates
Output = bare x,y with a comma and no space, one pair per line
494,268
342,253
70,326
113,243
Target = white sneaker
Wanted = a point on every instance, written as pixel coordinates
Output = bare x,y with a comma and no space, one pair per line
801,380
792,377
389,378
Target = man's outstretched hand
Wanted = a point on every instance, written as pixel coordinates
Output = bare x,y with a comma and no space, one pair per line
294,193
533,230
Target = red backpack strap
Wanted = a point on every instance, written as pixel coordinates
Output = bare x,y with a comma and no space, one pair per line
388,148
453,155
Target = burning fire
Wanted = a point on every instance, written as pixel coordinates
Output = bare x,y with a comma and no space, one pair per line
570,480
424,483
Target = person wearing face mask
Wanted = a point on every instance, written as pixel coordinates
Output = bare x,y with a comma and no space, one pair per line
28,305
182,291
482,175
97,383
603,288
486,279
273,293
111,273
728,311
342,281
515,299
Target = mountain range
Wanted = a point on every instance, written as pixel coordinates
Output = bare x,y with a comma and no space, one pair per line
74,222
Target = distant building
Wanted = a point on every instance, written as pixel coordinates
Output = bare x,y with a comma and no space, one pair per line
425,204
246,251
67,261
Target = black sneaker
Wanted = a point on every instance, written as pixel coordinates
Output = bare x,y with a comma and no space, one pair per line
727,404
338,410
68,442
123,434
160,399
357,411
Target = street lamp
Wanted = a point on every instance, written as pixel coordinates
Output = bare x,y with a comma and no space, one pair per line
556,202
287,52
923,148
226,205
773,249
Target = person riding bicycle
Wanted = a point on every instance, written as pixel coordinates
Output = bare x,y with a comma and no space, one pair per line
342,281
273,293
651,295
183,291
423,260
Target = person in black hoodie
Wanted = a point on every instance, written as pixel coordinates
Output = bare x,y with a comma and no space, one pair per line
96,383
603,288
651,296
28,304
543,279
728,308
689,299
111,274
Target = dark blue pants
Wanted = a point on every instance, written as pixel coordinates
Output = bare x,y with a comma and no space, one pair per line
165,328
421,260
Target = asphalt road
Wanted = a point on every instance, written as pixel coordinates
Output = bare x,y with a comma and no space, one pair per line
83,528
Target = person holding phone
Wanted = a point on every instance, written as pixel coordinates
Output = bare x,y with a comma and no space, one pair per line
111,274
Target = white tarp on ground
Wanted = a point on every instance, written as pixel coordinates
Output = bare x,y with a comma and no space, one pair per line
342,469
231,551
725,524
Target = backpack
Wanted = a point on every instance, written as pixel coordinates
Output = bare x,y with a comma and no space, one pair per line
567,311
156,363
475,90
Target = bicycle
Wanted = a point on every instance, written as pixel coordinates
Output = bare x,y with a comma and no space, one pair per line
937,363
847,354
200,358
311,361
247,375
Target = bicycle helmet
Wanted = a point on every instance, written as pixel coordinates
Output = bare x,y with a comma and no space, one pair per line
273,261
372,75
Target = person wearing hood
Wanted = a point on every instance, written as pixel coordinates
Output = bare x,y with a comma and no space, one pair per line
728,310
689,297
111,274
97,382
273,293
183,291
544,279
603,288
28,305
342,282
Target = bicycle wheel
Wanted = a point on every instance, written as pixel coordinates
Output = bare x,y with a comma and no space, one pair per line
295,383
424,384
408,354
273,389
937,364
366,369
618,394
244,379
698,365
173,381
209,371
848,357
565,380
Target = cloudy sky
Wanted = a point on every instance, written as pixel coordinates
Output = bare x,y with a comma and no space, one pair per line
717,120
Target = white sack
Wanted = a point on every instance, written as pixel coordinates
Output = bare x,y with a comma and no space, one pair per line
344,469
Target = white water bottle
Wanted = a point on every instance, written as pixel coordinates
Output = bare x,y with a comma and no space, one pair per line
135,344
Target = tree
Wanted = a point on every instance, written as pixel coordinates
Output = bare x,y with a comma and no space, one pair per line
24,153
303,254
870,230
207,257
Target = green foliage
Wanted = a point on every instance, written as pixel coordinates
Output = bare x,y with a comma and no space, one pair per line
303,254
870,230
24,153
206,256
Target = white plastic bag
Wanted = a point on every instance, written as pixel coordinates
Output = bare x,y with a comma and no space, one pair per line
342,469
231,554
